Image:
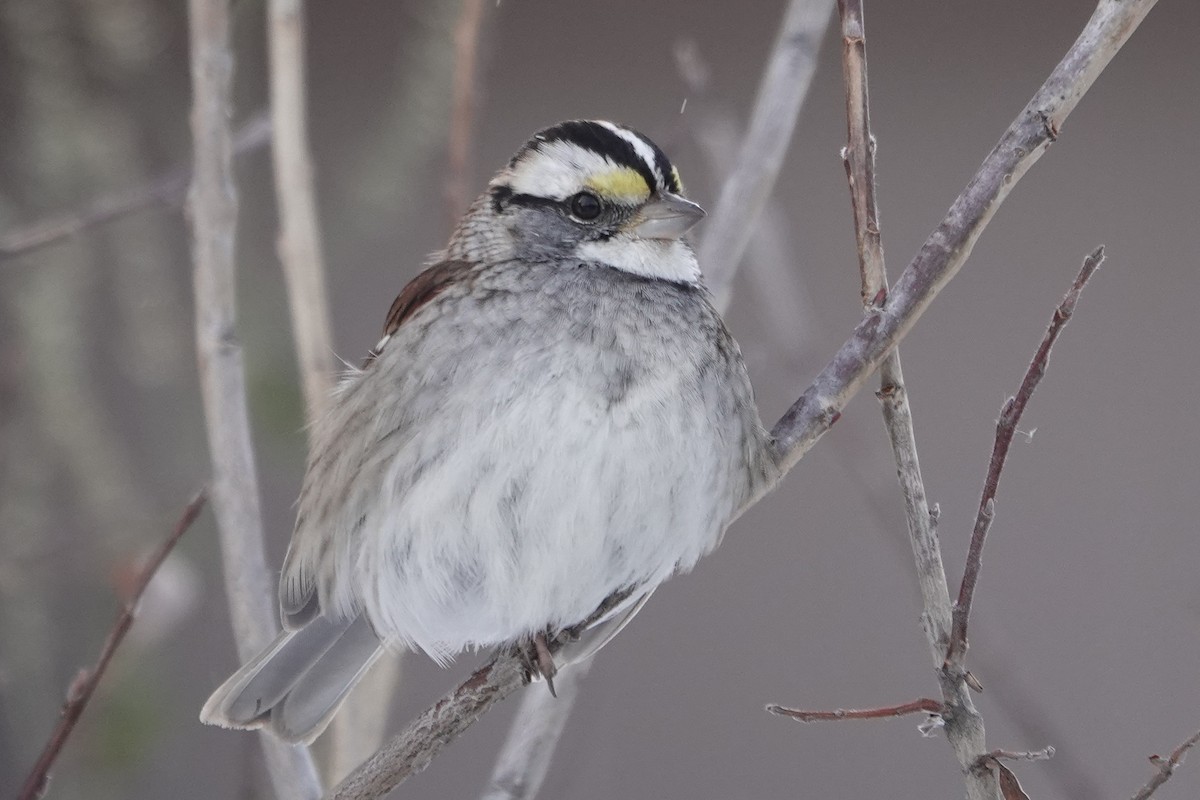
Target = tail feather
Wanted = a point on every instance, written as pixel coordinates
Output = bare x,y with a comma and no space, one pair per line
295,685
316,697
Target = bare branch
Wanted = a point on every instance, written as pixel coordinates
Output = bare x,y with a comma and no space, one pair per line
1006,428
212,207
1166,768
784,85
462,109
84,685
168,189
412,749
923,705
948,247
1019,755
966,735
532,737
299,228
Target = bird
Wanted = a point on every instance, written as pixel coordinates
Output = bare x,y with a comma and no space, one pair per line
555,421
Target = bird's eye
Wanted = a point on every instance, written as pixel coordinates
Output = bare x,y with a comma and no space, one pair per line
585,206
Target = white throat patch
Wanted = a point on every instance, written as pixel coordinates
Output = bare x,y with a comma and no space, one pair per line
668,260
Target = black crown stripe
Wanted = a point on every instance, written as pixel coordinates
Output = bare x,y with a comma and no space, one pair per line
597,138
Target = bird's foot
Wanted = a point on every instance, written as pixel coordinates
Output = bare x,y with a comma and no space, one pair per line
536,656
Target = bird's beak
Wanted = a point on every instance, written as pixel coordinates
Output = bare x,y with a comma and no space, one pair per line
666,216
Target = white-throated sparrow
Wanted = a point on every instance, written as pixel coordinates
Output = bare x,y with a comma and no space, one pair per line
555,418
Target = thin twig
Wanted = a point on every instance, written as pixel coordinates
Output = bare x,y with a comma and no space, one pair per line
1019,755
1166,768
299,241
84,685
462,107
947,248
784,85
1006,428
212,211
168,189
966,734
924,705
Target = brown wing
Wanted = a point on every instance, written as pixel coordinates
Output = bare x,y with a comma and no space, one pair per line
420,290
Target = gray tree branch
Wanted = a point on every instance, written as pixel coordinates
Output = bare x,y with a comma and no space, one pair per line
212,210
966,733
781,93
947,248
299,240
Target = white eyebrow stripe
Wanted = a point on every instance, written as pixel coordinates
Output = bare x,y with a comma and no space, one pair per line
644,151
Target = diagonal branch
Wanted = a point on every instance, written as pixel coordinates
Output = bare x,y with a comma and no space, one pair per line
1166,767
212,211
84,685
1006,428
784,85
947,248
415,747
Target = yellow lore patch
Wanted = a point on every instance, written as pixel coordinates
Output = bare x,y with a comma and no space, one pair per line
622,185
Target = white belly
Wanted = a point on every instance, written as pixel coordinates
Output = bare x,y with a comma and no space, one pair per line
584,500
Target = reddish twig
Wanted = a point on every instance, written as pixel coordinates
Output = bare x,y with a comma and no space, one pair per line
168,189
462,109
1006,428
80,692
924,705
1166,768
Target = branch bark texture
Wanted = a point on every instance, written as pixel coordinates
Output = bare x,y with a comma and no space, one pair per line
212,207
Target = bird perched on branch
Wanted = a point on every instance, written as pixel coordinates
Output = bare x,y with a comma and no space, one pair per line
555,421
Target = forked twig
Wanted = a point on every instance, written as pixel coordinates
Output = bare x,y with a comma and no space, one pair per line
1006,428
1167,767
80,692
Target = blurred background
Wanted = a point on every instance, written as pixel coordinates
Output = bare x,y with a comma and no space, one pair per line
1086,633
